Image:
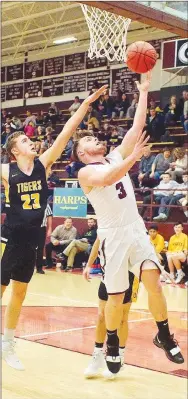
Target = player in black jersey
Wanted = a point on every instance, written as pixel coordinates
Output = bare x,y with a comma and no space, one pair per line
26,199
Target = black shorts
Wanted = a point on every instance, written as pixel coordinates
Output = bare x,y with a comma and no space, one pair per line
130,294
18,251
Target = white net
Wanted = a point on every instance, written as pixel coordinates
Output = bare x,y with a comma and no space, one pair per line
107,33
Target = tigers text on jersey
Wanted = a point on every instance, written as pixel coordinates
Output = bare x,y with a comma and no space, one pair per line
114,205
26,198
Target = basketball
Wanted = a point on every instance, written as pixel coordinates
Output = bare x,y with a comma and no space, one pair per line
141,57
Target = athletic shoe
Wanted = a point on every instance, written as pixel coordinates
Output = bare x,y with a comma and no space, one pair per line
97,362
107,374
68,269
168,281
113,360
162,278
180,277
40,271
161,216
9,355
171,348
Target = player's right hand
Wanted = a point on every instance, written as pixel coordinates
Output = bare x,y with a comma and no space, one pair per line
86,273
140,144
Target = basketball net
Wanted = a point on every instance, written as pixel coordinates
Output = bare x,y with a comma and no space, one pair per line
108,33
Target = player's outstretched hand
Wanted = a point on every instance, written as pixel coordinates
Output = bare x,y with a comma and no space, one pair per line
144,86
86,273
93,97
140,145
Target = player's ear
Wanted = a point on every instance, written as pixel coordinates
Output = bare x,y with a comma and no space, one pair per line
14,151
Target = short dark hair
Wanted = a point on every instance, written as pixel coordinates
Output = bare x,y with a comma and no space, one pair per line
177,224
185,173
153,227
166,149
76,97
92,219
166,173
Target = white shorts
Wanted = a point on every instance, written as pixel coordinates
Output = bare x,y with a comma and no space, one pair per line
124,249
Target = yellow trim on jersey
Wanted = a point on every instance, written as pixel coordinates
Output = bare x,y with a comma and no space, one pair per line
7,195
3,246
135,287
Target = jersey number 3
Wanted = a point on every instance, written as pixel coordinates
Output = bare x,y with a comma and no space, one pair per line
31,201
122,193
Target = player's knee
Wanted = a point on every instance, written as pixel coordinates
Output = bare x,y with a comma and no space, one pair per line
151,279
116,299
19,294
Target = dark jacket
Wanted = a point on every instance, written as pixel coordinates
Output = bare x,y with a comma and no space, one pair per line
146,164
91,235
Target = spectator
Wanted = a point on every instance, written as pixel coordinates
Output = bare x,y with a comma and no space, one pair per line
165,188
29,129
90,117
172,112
45,231
40,131
53,179
51,117
83,244
91,128
48,141
157,240
74,167
180,164
184,118
142,177
18,125
60,238
38,146
30,118
3,116
109,106
161,163
177,252
5,134
182,100
40,118
76,104
68,149
4,156
173,199
132,109
53,108
152,105
123,106
100,106
114,138
155,125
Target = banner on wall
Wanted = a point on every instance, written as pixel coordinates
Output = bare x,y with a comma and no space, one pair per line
175,54
69,202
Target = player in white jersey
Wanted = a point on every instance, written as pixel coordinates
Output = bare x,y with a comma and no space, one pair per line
121,231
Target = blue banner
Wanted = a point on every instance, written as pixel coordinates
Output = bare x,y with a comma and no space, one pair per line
69,202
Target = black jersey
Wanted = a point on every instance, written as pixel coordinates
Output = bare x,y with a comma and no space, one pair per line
26,199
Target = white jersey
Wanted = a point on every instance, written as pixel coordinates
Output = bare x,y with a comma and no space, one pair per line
115,205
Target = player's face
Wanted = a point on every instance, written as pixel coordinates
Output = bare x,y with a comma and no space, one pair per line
25,147
178,229
152,233
90,145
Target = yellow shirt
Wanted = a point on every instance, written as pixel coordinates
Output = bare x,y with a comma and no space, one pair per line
158,243
178,243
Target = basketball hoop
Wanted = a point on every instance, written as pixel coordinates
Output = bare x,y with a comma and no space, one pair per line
108,33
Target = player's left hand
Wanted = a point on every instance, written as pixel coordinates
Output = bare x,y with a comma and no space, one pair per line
93,97
144,86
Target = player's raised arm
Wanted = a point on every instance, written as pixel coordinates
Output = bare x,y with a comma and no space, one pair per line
130,138
55,151
108,174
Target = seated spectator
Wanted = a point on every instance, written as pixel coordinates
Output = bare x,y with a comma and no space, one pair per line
40,131
109,106
142,177
40,118
18,125
74,167
172,112
132,109
184,118
152,105
100,106
5,134
53,108
68,149
157,240
48,140
91,128
90,117
9,122
38,147
155,125
4,156
161,163
30,118
51,118
83,244
177,252
182,100
3,116
76,104
180,164
123,106
114,137
165,188
60,238
173,199
29,129
53,179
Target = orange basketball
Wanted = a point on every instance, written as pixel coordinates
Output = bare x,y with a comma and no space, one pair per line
141,57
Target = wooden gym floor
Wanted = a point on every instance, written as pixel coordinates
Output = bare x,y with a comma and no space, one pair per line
56,338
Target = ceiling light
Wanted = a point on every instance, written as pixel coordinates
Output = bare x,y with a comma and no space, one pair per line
65,40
